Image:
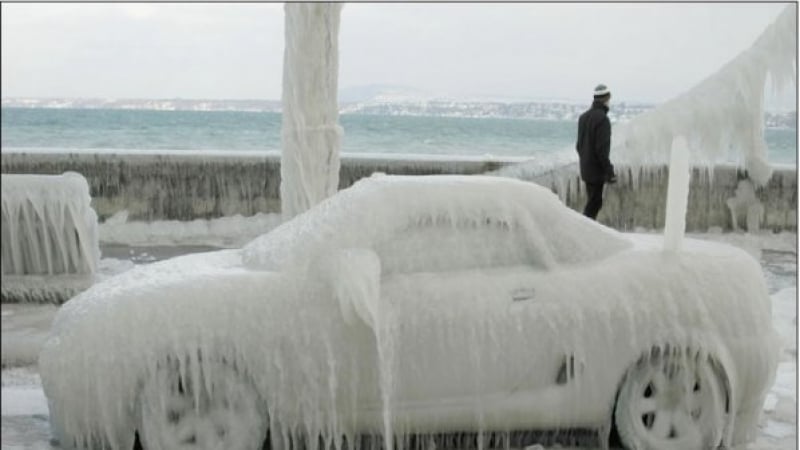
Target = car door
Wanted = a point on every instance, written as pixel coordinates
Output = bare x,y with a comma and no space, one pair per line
451,330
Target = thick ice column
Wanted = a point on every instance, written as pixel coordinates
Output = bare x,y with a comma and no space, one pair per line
311,135
677,195
725,111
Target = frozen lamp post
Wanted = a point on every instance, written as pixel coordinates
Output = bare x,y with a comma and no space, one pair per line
310,134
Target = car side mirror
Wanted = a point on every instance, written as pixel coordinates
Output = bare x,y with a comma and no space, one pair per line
355,275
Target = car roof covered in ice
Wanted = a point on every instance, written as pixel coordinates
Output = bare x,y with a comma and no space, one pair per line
378,207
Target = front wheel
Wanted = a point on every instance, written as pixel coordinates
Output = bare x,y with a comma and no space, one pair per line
671,402
210,408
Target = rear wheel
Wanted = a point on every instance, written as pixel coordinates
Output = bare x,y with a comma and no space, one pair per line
671,402
213,408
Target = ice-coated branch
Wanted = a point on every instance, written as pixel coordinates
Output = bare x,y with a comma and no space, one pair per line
311,135
722,113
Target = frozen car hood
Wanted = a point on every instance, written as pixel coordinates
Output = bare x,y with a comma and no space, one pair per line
145,281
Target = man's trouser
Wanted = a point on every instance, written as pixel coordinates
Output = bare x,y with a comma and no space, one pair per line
594,199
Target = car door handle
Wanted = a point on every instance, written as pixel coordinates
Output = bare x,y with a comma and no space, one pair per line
522,294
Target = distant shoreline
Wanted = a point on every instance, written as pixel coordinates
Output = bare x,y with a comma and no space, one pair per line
535,110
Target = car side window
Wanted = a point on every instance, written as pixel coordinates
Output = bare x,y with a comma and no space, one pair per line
434,245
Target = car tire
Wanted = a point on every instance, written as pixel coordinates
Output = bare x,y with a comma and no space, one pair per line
670,401
211,407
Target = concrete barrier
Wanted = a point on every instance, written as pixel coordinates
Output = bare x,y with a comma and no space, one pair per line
185,186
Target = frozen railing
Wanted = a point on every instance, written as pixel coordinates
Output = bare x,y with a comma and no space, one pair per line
50,247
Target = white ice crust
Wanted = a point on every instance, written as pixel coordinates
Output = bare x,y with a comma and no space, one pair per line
342,331
48,225
722,113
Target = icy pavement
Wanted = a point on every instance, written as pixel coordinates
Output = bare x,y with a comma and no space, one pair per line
24,327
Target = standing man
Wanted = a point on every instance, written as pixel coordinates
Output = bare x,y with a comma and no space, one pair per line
593,146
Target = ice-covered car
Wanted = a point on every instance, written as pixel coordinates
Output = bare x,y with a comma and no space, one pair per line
417,308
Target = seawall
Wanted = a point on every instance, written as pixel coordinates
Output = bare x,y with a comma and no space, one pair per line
184,186
638,199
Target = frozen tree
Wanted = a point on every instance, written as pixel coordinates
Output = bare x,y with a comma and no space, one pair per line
722,113
311,135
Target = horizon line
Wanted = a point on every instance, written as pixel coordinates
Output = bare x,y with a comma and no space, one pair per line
470,99
487,100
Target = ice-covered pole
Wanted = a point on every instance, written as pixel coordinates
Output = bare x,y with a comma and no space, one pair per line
677,195
310,134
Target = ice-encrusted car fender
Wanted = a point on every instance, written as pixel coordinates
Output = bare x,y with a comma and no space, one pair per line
739,307
189,311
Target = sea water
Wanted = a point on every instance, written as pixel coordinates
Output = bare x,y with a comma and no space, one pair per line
258,131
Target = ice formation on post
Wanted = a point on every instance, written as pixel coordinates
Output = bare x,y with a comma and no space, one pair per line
49,236
722,113
311,135
677,195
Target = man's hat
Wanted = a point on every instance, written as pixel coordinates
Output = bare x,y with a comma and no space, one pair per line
601,91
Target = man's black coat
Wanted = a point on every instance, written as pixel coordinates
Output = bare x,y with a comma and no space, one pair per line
594,144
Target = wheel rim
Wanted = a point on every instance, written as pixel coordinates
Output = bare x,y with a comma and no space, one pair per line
220,412
671,404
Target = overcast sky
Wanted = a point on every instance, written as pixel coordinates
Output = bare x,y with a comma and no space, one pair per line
644,52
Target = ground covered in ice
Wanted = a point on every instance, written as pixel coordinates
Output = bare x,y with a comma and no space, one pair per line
24,327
